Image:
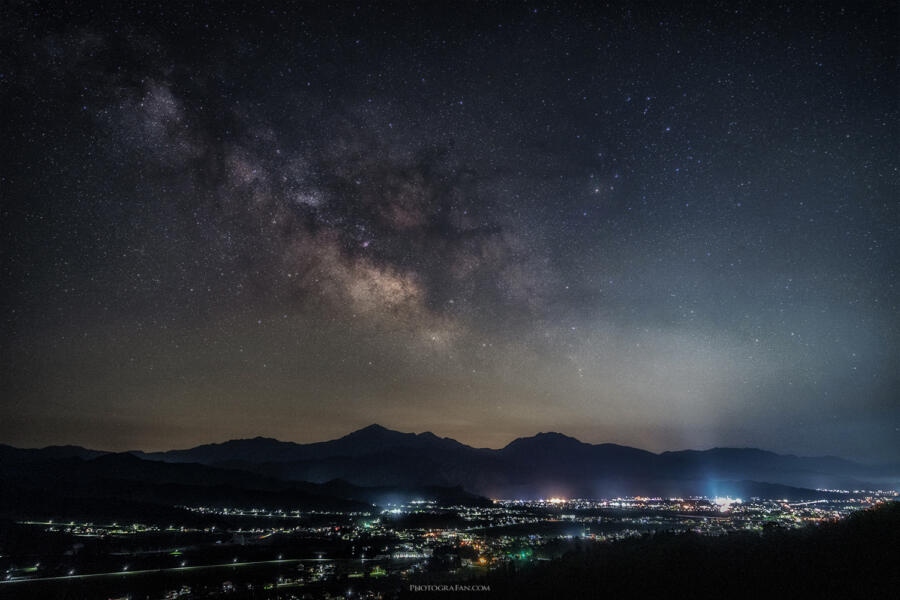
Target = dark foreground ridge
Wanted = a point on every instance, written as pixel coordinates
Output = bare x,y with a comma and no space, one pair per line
852,558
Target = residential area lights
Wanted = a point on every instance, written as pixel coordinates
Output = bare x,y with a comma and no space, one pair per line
407,539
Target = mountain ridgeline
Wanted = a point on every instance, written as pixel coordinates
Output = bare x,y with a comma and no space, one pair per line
74,484
545,465
377,466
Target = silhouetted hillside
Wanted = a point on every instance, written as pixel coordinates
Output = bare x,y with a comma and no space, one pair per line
853,558
369,440
125,486
547,464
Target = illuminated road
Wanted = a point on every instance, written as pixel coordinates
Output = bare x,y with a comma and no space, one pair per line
177,569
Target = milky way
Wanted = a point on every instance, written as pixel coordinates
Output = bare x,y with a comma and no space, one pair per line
658,228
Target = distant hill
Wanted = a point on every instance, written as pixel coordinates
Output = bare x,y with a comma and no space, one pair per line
369,440
9,454
546,464
48,486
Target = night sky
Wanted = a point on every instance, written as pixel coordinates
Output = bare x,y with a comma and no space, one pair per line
667,228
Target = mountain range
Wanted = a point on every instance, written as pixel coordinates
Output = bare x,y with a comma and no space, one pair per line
71,483
544,465
375,464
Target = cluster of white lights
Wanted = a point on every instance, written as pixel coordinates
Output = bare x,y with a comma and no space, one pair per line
725,503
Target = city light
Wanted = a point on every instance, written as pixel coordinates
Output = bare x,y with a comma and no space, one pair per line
482,536
726,503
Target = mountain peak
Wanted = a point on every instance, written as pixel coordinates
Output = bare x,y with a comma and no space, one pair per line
374,434
544,439
554,435
373,429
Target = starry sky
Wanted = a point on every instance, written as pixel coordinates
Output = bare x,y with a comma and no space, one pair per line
667,228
